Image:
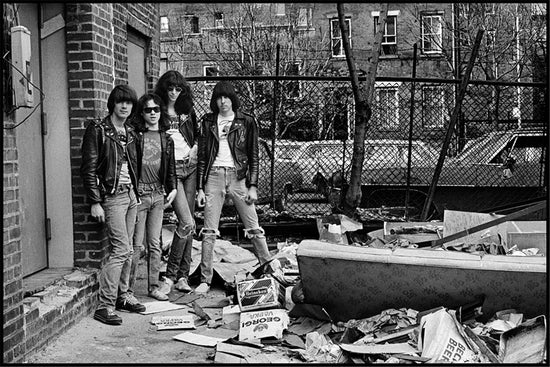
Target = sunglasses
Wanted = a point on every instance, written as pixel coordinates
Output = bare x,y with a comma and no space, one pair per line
151,109
177,89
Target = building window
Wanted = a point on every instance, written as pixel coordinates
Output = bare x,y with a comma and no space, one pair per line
337,44
164,24
218,19
389,39
433,107
432,33
210,70
292,87
304,17
192,23
279,9
387,107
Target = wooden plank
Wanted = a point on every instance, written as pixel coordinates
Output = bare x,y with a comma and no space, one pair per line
526,240
457,221
533,208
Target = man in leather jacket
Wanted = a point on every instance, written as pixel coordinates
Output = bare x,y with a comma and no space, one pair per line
227,164
109,171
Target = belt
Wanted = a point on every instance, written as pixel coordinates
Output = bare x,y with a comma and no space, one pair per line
149,186
227,168
123,188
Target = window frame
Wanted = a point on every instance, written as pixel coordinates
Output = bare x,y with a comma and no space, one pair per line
342,53
167,23
210,66
190,21
390,87
297,63
219,19
432,35
438,107
385,36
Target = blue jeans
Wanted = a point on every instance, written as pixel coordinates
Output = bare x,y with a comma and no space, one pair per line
120,218
179,261
148,226
222,181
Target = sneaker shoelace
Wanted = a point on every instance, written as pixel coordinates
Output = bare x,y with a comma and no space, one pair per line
131,300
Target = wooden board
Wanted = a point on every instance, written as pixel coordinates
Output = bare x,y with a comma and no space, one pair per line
526,240
456,221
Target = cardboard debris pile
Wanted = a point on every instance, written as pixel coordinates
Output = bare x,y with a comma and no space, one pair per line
265,316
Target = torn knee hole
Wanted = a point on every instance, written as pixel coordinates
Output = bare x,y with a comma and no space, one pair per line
254,233
207,232
185,231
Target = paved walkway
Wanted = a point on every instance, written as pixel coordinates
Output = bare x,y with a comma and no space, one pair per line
135,341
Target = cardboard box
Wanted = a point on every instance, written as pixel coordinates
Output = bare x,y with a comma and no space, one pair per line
260,294
263,324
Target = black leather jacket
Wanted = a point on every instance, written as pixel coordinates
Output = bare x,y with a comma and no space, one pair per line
167,163
243,143
188,128
101,158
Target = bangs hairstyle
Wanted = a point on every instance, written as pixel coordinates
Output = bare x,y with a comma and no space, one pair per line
140,124
172,77
224,89
122,93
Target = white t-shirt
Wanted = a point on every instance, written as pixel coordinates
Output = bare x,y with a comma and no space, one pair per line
181,148
224,157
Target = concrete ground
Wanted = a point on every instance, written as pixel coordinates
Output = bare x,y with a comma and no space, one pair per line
135,341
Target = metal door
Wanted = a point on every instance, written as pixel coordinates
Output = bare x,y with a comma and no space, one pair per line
136,62
30,146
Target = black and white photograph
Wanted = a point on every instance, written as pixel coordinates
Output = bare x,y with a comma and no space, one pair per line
275,183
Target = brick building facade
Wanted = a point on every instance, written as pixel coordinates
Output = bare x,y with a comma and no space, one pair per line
94,40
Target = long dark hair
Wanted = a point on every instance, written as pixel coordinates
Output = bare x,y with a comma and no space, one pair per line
184,103
139,121
225,89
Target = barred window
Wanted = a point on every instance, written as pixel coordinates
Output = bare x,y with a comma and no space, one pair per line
433,107
387,108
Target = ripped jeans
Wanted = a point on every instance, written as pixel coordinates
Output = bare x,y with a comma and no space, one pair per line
222,181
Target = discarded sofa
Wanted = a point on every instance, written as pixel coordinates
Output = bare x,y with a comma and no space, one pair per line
358,282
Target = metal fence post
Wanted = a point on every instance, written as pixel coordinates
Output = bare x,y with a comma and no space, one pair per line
409,152
274,124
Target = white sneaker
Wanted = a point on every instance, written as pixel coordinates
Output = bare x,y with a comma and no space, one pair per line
183,286
166,285
202,288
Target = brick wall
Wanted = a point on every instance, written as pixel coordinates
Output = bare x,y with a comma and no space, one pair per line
96,58
13,334
97,61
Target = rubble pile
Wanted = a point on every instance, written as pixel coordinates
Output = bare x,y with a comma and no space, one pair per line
265,317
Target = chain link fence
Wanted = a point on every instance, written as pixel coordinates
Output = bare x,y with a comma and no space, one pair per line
497,153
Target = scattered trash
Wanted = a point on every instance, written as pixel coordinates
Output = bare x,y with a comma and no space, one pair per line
440,340
525,343
263,324
198,339
260,294
160,306
173,322
333,228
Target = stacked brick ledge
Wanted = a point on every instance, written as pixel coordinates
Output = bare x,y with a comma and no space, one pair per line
49,313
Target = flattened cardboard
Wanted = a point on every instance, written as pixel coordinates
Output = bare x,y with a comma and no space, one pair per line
262,324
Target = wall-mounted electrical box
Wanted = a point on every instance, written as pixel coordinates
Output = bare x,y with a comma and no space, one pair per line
21,59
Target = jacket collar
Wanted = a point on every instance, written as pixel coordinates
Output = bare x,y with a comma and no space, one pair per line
235,125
